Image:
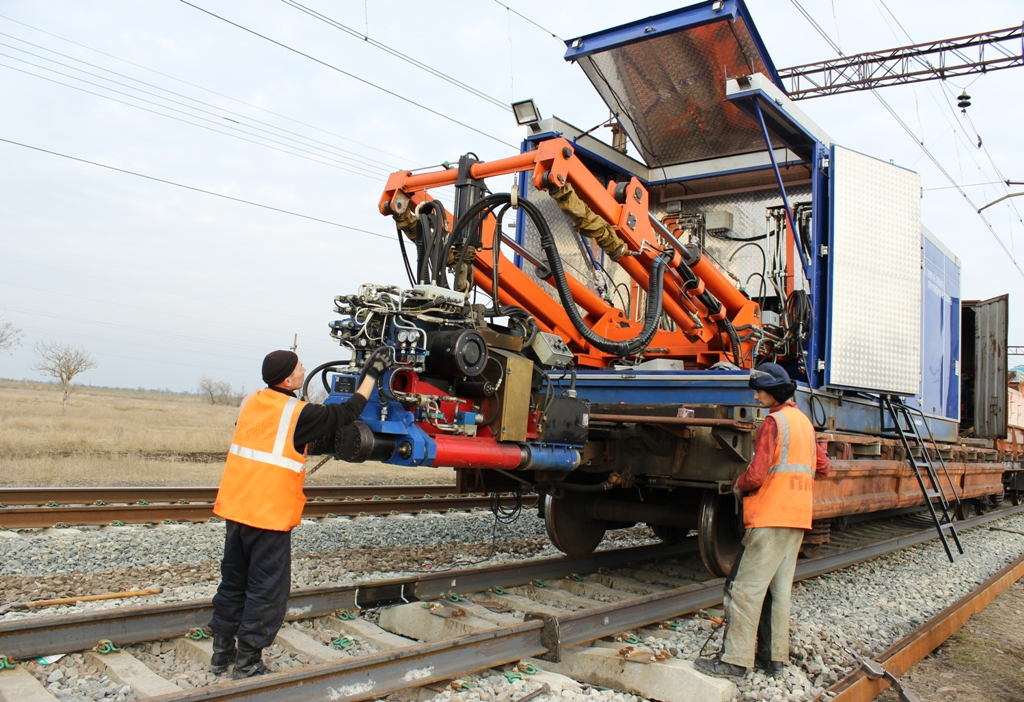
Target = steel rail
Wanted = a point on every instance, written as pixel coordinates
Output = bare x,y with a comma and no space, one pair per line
381,674
40,496
913,648
38,636
101,515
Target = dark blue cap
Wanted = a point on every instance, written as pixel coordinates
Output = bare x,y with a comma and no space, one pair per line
769,375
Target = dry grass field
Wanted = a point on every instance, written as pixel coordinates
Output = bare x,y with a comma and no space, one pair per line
123,437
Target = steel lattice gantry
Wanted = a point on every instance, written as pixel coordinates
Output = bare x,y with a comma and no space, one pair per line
947,58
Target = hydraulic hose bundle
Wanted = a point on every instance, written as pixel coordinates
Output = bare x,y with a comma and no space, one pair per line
476,214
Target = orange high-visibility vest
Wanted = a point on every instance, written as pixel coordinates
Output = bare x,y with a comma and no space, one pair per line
263,476
786,498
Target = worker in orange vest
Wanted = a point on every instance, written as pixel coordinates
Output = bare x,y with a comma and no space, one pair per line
261,500
777,491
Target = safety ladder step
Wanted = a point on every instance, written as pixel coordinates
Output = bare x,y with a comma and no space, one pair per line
932,494
948,526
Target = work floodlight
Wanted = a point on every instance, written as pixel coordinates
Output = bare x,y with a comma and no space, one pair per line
526,112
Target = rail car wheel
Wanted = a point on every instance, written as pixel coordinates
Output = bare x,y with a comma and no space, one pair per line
719,532
569,527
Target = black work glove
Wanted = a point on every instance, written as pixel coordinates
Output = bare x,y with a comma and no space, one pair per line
377,363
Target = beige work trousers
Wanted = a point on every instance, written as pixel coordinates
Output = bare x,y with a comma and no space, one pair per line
765,565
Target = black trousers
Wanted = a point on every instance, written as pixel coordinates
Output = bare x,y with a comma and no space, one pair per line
256,575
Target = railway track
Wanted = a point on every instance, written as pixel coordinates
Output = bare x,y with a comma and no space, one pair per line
438,626
28,508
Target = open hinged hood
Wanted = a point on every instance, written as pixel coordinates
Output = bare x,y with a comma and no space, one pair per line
665,78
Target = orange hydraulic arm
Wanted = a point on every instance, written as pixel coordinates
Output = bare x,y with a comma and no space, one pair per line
697,337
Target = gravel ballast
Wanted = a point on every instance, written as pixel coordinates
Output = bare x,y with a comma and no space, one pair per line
859,611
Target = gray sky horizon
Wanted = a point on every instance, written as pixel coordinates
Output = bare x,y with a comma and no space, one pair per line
162,285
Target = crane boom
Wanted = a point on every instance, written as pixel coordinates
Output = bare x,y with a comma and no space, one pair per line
934,60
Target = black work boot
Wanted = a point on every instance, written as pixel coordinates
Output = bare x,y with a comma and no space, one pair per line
223,654
248,662
769,666
719,668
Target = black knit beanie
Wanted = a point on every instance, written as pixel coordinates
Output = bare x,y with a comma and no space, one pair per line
278,365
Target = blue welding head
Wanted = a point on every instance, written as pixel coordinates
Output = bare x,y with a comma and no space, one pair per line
774,380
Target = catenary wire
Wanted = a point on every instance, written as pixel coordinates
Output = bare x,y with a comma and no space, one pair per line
350,75
205,89
198,190
524,17
363,161
947,93
910,132
398,54
332,162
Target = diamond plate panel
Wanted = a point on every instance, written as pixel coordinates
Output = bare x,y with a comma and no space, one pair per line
669,92
875,340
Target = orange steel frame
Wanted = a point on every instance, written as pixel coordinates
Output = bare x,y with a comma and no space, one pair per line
698,343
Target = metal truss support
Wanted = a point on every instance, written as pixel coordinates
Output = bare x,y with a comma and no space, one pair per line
936,60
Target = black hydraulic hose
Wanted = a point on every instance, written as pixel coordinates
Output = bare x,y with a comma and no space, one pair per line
405,258
326,368
713,307
652,317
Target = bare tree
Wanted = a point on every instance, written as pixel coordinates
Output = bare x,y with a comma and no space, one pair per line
219,391
62,363
10,336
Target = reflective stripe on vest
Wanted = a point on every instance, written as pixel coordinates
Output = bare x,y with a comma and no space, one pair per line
784,466
264,473
786,498
277,457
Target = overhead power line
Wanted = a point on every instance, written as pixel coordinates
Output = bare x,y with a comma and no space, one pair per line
519,14
920,143
198,190
351,75
311,155
215,111
398,54
205,89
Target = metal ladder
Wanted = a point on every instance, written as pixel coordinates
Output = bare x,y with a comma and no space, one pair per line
938,505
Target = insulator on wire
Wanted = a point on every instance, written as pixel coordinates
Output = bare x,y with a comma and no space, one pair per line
965,101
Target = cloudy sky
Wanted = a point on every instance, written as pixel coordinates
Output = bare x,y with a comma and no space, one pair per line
163,284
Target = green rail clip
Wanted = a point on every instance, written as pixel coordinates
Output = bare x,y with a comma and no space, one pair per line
577,577
540,583
461,685
183,501
528,668
99,503
117,522
455,598
632,639
499,590
512,675
169,521
214,520
142,502
105,646
198,633
52,503
343,642
61,525
6,663
345,615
